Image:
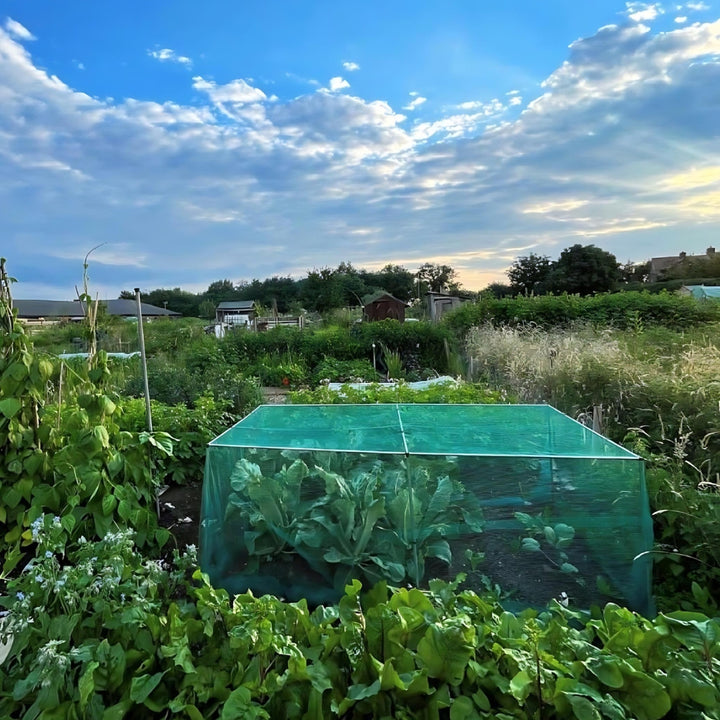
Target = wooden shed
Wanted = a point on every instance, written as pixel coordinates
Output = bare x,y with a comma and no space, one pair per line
383,306
236,312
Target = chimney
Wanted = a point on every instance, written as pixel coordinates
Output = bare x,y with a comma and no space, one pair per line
710,251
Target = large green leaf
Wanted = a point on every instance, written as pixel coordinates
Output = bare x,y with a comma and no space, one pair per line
239,706
143,685
606,668
583,709
10,407
446,648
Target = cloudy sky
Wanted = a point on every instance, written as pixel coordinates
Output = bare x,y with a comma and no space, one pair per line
196,142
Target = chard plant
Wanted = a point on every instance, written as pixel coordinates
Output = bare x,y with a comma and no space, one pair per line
101,632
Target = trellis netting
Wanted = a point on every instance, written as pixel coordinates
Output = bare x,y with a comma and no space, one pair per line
300,500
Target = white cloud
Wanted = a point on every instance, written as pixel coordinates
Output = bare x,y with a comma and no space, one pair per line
553,206
16,30
621,145
168,55
351,66
338,83
681,19
416,102
237,91
643,12
305,81
485,109
697,6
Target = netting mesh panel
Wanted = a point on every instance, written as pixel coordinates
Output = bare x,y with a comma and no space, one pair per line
299,500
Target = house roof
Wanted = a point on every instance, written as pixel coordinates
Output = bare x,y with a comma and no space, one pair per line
236,305
30,309
702,292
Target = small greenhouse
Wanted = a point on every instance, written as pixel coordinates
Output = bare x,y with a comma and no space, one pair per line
300,500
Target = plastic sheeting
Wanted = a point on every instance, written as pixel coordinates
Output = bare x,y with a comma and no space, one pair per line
300,500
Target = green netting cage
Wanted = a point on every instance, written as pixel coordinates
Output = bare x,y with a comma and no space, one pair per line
300,500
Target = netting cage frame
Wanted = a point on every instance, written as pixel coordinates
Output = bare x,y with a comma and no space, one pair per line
300,499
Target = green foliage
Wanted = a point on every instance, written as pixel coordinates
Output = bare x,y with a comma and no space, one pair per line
100,632
687,526
451,391
344,371
347,517
423,347
437,278
529,273
660,383
191,429
550,541
583,269
394,364
618,310
70,460
278,370
185,365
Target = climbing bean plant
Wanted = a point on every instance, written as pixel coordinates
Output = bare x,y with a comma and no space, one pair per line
65,454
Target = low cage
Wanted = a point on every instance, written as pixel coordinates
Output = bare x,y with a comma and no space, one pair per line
300,500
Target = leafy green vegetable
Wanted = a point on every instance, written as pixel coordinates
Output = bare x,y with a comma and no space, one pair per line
349,516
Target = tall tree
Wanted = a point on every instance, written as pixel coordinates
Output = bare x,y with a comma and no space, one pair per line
395,279
437,278
529,273
280,291
221,290
584,269
175,299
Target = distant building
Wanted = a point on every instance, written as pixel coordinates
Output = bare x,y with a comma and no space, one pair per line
440,303
660,265
383,306
701,292
236,312
38,311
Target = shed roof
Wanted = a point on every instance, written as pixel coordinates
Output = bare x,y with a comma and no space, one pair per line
241,305
382,296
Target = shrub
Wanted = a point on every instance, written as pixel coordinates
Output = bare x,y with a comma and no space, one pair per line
420,345
618,310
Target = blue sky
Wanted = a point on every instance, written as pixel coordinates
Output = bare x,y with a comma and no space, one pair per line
197,142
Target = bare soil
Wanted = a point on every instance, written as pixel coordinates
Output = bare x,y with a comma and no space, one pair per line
180,513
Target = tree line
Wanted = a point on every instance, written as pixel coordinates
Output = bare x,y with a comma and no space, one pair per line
321,290
587,270
579,270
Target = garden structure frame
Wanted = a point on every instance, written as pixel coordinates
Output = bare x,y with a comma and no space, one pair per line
299,500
